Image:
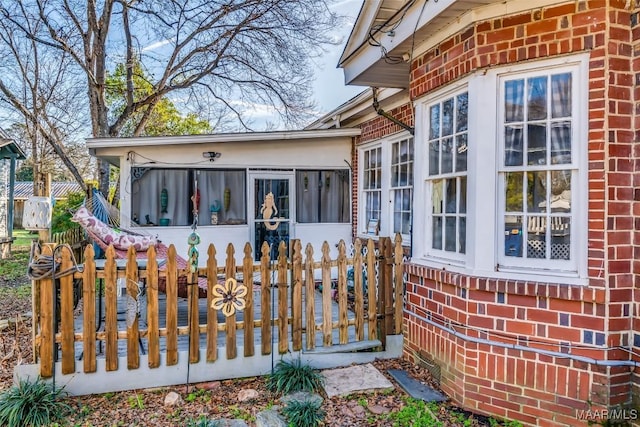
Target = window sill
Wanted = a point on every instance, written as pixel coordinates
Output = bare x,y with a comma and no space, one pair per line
521,275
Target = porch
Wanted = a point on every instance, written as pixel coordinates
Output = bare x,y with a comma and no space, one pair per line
320,311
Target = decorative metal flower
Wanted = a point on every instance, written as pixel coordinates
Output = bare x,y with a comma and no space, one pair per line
229,297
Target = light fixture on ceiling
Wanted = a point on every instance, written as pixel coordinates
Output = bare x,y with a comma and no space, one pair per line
211,155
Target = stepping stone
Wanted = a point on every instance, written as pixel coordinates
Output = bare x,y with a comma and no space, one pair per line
415,388
354,379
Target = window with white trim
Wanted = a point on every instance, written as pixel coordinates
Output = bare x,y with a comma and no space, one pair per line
503,164
387,187
447,174
537,168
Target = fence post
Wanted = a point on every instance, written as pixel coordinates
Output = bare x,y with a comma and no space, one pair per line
283,309
265,307
343,333
247,278
89,310
153,311
133,333
358,286
172,306
310,297
296,296
385,290
371,290
66,313
47,319
399,284
230,322
327,319
212,315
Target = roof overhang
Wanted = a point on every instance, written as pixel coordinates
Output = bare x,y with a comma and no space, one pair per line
9,149
387,34
98,146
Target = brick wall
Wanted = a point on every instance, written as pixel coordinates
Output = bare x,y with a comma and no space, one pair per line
500,346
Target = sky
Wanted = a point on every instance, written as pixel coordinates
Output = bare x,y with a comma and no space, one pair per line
329,88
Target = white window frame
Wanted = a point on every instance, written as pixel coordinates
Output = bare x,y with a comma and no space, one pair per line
386,225
485,242
447,256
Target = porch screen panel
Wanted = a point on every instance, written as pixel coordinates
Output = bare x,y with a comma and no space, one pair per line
322,196
224,189
147,185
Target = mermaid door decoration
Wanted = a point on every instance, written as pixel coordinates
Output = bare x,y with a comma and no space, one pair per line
269,211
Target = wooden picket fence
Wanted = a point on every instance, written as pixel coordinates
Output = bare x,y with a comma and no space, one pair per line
374,309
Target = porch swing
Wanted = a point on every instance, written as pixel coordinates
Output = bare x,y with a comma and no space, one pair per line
101,222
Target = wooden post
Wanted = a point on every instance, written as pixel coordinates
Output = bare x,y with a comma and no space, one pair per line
133,333
358,290
296,296
310,290
386,288
371,290
89,310
343,331
398,284
265,308
111,309
283,302
172,306
194,316
327,319
67,337
230,322
153,312
47,319
247,279
212,315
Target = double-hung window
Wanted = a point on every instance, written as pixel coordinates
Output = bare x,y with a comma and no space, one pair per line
503,169
538,169
447,175
387,187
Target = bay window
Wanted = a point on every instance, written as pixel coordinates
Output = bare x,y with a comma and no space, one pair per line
502,162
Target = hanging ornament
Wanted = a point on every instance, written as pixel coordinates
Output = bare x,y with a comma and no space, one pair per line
164,200
227,198
193,240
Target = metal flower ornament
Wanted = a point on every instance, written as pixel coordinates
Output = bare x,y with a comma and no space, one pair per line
229,297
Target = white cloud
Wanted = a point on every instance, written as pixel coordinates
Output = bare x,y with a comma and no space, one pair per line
156,45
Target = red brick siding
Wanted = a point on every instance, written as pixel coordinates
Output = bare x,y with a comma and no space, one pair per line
516,383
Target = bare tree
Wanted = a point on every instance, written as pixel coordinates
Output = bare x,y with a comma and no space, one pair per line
225,53
34,85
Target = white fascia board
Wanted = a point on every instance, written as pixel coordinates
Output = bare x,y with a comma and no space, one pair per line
93,143
366,55
360,32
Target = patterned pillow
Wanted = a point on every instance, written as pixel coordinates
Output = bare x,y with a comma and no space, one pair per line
108,235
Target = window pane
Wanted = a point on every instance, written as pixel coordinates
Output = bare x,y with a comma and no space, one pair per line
434,157
406,223
395,158
561,191
513,145
447,155
461,153
513,235
537,98
437,232
514,101
437,195
513,192
406,200
560,238
450,234
462,235
561,142
536,237
395,176
434,122
463,195
450,195
561,95
223,190
462,112
537,191
410,173
322,196
447,117
404,174
537,143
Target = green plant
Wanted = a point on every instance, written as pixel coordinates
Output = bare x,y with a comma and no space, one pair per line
15,267
289,377
32,404
202,421
62,212
240,413
304,413
415,413
363,402
136,402
198,394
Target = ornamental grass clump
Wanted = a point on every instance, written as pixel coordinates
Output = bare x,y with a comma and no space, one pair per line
32,404
306,413
289,377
